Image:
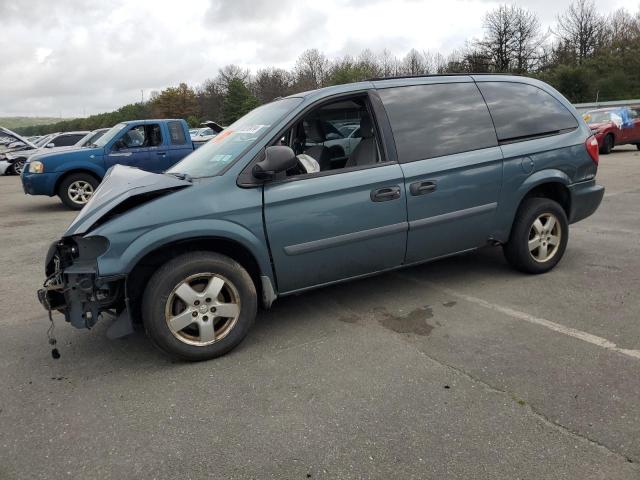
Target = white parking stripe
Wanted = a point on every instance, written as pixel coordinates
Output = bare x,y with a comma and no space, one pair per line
556,327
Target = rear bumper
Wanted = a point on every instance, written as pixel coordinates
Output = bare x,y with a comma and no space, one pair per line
585,199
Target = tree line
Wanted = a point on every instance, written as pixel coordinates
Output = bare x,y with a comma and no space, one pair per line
585,55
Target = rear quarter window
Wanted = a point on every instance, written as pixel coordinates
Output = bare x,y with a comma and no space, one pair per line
176,132
438,119
522,111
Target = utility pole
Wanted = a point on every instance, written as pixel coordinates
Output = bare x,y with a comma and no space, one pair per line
141,96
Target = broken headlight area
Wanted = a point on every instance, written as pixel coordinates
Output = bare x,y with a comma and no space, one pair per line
73,286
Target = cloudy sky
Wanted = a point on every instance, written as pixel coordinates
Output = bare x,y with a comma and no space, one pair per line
73,57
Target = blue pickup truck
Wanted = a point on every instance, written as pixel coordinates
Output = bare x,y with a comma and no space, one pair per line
152,145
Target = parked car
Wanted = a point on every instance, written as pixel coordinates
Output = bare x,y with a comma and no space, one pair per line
17,158
445,165
615,126
11,142
202,134
73,175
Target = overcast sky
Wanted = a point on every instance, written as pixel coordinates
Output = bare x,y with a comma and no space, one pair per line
73,58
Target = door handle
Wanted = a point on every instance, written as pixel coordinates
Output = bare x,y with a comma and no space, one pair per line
162,154
385,194
422,188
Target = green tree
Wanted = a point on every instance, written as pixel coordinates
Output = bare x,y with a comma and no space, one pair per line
176,102
238,101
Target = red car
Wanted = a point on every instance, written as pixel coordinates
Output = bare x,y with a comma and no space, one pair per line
615,126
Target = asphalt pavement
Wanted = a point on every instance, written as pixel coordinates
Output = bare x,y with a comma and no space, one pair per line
462,368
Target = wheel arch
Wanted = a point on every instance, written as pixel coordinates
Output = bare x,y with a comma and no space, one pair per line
147,265
552,184
74,171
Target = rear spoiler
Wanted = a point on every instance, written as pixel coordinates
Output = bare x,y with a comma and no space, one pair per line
213,126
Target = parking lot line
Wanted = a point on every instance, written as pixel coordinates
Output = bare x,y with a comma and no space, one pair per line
543,322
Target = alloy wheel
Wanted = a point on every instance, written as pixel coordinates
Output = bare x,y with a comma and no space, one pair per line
80,191
202,309
544,237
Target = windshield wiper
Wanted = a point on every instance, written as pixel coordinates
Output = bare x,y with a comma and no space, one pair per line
181,176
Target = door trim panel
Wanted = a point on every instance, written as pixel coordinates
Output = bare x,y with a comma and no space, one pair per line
339,240
445,217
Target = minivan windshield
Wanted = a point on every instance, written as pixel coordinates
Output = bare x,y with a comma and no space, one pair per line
109,135
228,145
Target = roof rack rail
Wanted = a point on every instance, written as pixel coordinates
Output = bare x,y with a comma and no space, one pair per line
428,75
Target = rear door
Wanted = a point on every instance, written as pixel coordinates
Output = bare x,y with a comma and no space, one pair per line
448,151
179,145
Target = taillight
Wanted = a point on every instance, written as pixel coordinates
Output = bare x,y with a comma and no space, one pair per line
593,148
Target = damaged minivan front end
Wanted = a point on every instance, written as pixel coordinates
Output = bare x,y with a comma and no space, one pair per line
73,284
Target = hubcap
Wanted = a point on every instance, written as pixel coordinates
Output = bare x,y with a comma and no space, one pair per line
544,237
202,309
80,191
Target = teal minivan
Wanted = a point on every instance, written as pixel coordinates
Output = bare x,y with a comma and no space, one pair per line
275,204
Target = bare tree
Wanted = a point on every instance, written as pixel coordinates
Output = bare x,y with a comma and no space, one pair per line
312,69
498,41
229,73
527,40
414,63
388,64
271,83
581,29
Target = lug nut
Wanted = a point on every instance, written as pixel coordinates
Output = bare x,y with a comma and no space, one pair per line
213,309
194,314
205,318
208,300
196,303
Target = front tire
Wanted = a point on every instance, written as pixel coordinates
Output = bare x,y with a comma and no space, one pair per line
199,306
18,165
538,237
77,189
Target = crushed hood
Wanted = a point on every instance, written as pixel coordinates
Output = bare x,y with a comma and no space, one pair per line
121,183
5,132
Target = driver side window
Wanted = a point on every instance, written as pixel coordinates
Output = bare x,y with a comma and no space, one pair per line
143,136
334,136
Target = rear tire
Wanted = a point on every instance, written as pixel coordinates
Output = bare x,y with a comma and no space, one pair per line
538,237
199,306
607,144
77,189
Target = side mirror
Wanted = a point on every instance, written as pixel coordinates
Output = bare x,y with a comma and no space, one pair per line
51,145
276,159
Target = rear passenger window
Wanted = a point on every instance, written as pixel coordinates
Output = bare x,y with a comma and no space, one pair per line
67,140
176,132
523,111
435,120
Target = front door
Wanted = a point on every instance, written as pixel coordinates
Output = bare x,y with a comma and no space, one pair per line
131,149
452,164
334,222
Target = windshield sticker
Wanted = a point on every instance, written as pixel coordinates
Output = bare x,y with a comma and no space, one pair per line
252,128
